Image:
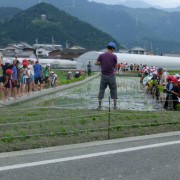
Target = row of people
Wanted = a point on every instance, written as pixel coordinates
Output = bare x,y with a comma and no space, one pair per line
20,79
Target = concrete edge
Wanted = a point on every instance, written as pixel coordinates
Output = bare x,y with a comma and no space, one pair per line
46,92
89,144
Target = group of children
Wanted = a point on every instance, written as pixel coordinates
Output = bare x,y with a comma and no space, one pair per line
164,87
19,79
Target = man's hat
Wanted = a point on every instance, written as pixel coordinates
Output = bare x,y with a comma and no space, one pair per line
111,45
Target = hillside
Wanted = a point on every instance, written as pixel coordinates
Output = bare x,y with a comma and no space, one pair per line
28,25
147,27
8,12
131,26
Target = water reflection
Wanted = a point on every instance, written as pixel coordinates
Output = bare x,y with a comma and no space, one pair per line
130,93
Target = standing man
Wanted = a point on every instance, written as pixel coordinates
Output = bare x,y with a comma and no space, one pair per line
108,63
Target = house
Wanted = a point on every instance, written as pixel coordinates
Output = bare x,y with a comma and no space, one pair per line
26,54
13,50
138,50
56,54
123,51
72,53
42,52
48,50
48,46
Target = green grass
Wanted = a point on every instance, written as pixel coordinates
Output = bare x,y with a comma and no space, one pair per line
173,72
34,128
62,74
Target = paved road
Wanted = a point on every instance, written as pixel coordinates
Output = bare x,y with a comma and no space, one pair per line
154,157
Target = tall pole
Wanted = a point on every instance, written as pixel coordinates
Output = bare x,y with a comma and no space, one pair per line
151,47
109,117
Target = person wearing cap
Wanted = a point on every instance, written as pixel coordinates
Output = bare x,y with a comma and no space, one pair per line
53,78
177,76
31,76
158,87
8,84
175,93
108,63
46,73
7,65
38,75
15,76
167,90
77,74
69,75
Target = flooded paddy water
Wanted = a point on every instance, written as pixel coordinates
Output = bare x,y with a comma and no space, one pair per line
131,96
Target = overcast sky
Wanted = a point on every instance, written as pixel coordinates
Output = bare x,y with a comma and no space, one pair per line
162,3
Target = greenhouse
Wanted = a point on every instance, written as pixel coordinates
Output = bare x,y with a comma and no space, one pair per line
55,63
170,63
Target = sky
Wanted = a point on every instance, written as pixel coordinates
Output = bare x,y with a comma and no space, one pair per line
162,3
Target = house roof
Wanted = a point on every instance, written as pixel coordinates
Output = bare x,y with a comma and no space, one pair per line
48,46
137,48
76,47
74,51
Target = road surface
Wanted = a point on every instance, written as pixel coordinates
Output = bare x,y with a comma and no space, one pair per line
154,157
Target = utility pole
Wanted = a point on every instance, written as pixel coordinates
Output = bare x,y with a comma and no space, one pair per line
36,40
52,40
151,47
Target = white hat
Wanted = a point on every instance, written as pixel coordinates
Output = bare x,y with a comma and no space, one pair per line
69,72
48,65
7,61
52,72
176,75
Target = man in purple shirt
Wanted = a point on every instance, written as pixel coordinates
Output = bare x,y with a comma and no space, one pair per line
108,63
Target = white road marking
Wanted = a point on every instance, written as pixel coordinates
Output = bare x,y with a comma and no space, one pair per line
53,161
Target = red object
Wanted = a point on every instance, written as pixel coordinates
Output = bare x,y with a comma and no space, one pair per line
169,78
24,61
174,80
25,64
9,71
80,72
